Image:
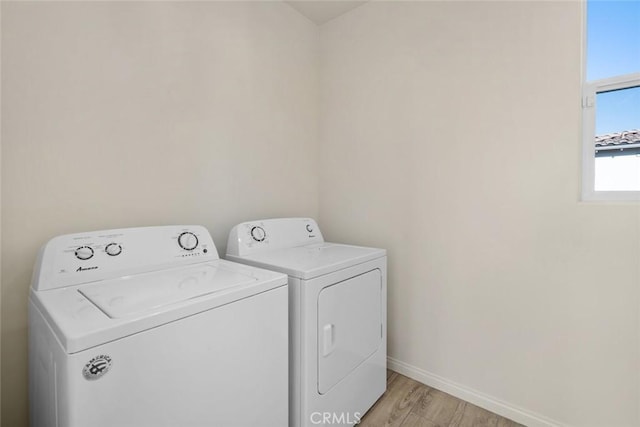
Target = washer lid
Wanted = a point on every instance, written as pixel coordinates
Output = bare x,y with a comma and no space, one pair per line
307,262
91,314
152,291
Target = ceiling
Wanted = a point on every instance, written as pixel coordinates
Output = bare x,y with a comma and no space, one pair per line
321,11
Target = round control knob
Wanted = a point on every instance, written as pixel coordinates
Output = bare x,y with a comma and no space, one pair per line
84,253
188,241
258,234
113,249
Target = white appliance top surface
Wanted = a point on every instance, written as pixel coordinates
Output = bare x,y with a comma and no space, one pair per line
307,262
87,315
140,293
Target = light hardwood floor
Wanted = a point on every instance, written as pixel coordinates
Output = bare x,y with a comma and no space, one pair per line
408,403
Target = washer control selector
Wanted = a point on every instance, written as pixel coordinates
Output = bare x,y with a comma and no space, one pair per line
84,253
258,234
113,249
188,241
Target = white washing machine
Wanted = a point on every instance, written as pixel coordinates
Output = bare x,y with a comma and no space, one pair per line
337,316
146,327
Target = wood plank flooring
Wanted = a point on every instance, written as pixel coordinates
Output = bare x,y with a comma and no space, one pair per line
408,403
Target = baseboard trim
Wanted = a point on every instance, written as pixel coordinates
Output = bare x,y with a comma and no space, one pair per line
480,399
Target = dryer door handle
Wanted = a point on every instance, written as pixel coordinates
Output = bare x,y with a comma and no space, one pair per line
328,339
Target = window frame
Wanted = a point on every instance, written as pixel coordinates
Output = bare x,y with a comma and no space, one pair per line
589,91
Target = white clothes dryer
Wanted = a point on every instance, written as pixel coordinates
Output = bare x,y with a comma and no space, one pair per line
146,327
337,316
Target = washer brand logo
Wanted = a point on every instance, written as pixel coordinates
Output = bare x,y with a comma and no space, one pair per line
97,367
86,268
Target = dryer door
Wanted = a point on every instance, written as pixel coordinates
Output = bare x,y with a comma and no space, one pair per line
349,326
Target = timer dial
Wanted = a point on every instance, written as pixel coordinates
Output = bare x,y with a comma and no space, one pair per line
113,249
188,241
258,234
84,253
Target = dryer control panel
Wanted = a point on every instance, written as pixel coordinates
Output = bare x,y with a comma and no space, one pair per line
87,257
269,234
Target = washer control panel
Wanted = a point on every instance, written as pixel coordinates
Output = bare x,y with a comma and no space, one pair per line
269,234
84,257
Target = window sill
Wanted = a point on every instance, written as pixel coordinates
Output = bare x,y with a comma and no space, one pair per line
611,197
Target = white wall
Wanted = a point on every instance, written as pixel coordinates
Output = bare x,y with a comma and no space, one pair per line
450,135
130,114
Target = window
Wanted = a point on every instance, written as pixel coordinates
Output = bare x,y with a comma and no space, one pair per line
611,101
